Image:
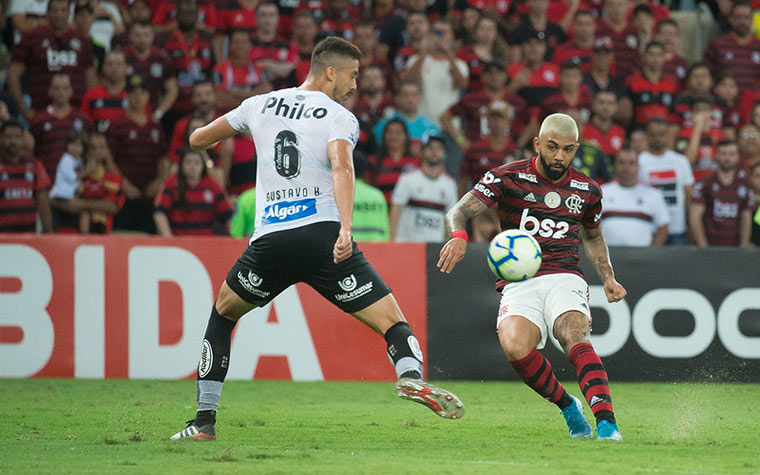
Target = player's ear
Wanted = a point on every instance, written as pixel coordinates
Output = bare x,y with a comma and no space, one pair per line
330,72
536,148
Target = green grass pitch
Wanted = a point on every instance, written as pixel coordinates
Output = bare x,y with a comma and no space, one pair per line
119,426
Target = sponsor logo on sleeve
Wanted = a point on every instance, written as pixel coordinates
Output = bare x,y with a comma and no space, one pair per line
483,189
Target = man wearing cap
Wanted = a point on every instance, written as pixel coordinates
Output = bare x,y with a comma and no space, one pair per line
139,150
422,197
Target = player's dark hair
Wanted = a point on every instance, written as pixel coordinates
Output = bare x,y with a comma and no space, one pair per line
653,44
11,123
182,179
332,50
383,151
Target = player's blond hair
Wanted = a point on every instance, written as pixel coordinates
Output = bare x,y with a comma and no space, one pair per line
561,124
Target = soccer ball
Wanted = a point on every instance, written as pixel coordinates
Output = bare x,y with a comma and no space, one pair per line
514,255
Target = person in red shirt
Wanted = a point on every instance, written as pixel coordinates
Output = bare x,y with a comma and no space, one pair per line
533,79
278,58
625,37
190,202
233,15
203,98
649,92
23,185
726,92
338,19
581,45
51,126
238,78
699,134
305,31
418,29
166,15
573,97
600,77
99,195
601,131
487,47
153,65
366,41
104,103
669,34
393,158
373,101
139,150
48,50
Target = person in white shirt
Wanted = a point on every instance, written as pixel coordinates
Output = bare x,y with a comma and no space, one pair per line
422,197
669,172
70,169
634,214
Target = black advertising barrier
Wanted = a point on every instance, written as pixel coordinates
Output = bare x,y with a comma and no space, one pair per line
690,315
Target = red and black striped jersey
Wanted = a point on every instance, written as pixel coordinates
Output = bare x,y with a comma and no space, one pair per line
165,12
243,169
155,70
610,141
677,67
191,62
481,156
402,57
473,110
723,207
369,116
650,99
136,149
726,55
475,66
276,50
384,172
206,204
625,45
569,50
102,107
558,103
50,134
45,54
544,81
231,15
552,212
246,77
19,185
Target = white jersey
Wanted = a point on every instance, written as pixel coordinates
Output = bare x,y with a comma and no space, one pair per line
632,214
425,201
291,129
669,173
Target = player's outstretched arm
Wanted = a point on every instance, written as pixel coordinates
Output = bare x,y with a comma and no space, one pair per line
207,136
456,220
598,254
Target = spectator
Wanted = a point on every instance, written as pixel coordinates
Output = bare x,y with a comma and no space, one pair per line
601,131
649,92
671,173
723,203
580,47
669,34
216,167
232,16
337,18
137,11
726,98
366,41
305,31
393,158
422,197
68,176
572,98
536,24
84,19
699,136
488,47
23,185
153,65
592,162
494,149
24,17
107,21
47,50
139,150
749,144
104,103
599,78
699,83
418,32
754,180
243,221
191,56
167,13
643,20
203,98
442,75
190,203
472,109
373,104
370,221
634,214
736,52
276,57
533,79
99,195
625,41
238,78
638,140
408,99
405,28
51,126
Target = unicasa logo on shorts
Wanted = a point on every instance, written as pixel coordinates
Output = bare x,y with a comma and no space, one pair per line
285,211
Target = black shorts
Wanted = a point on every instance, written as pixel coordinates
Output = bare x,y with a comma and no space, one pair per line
278,260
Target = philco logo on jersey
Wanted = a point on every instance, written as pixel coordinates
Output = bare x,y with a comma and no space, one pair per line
581,185
295,111
289,211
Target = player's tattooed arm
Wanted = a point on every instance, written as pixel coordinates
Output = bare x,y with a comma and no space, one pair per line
597,252
466,208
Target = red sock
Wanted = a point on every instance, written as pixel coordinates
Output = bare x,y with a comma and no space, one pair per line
537,373
593,381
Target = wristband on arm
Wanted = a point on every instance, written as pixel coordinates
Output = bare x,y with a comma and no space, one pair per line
461,234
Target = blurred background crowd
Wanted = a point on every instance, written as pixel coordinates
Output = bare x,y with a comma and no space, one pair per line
98,99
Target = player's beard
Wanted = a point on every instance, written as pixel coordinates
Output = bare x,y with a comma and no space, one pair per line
553,174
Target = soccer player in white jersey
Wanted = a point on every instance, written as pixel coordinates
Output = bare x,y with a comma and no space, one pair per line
304,205
560,206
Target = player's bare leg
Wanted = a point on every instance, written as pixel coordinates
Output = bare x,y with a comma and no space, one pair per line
572,331
519,337
215,358
385,317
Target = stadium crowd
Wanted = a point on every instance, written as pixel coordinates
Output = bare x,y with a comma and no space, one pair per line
99,97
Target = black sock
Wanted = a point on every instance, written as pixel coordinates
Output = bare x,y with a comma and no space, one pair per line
215,359
404,350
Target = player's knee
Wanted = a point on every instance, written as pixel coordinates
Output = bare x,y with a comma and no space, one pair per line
229,305
571,329
516,349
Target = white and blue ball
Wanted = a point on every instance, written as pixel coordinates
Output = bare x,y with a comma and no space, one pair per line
514,255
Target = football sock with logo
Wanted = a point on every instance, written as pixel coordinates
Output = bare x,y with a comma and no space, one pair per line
215,359
537,373
592,378
404,350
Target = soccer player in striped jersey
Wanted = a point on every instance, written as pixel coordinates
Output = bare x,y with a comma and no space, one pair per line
560,207
304,207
